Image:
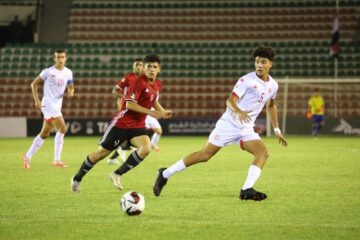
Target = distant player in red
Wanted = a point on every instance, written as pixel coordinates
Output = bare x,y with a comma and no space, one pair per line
121,86
119,90
129,124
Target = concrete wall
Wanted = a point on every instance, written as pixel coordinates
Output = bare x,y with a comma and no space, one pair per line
13,127
54,21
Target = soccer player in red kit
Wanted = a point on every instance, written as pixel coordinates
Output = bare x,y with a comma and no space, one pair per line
120,87
129,124
120,90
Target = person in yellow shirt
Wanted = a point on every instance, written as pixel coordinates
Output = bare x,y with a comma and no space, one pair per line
316,110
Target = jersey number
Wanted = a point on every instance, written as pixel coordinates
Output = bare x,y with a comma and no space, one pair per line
60,82
261,97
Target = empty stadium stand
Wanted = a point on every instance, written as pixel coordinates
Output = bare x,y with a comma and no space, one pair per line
205,47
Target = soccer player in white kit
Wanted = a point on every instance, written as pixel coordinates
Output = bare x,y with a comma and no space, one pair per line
236,125
55,79
153,123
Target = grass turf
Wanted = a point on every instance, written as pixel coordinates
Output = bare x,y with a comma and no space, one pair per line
312,187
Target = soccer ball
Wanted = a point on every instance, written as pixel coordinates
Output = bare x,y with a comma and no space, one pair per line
132,203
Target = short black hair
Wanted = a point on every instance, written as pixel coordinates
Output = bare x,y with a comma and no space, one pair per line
152,58
60,51
265,52
138,60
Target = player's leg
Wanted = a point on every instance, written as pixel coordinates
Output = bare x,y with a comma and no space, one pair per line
259,150
37,143
153,123
320,123
113,158
87,165
155,138
142,142
108,143
203,155
143,145
315,126
59,124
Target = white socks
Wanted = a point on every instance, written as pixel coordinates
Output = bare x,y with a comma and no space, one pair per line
37,143
253,175
59,142
176,167
155,139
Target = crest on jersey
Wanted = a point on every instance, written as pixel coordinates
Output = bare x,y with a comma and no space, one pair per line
270,90
133,96
147,90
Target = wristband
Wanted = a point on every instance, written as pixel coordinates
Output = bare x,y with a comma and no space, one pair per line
277,131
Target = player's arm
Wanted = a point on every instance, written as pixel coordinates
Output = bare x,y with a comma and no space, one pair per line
34,88
133,106
309,105
166,113
231,103
272,112
70,88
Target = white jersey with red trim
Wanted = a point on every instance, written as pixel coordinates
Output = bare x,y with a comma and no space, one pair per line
55,82
253,93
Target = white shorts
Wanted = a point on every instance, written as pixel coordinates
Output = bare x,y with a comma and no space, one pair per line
225,134
50,112
151,122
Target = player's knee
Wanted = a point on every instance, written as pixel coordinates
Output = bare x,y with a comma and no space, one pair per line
143,151
158,131
62,130
99,154
264,155
44,136
205,156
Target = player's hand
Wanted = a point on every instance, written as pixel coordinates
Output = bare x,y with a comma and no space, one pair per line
243,116
167,114
70,93
282,139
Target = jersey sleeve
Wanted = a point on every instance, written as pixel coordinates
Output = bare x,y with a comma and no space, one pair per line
134,91
43,75
125,83
240,88
310,101
121,85
276,88
70,78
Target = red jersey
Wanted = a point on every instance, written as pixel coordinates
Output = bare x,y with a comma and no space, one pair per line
125,82
141,91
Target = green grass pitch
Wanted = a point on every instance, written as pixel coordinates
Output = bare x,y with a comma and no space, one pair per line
313,189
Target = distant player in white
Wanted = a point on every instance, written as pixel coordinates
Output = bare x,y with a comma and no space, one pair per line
55,79
236,125
153,123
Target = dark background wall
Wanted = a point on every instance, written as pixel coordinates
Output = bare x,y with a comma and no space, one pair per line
54,21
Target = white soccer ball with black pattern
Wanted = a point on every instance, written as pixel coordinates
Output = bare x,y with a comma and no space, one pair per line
132,203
